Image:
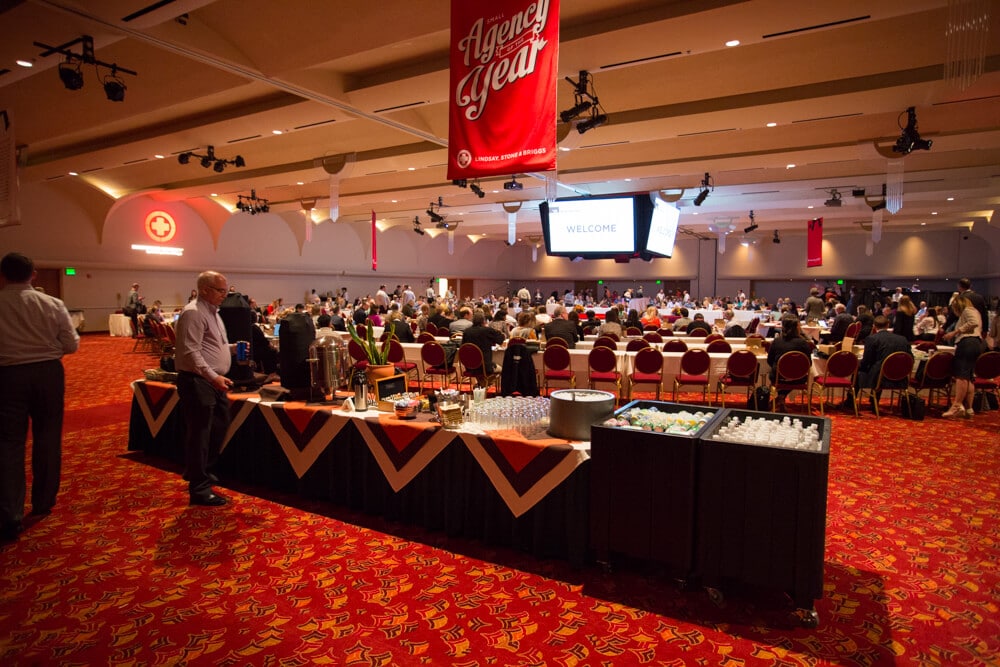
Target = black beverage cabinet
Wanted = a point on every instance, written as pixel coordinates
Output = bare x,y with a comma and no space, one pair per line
761,513
642,491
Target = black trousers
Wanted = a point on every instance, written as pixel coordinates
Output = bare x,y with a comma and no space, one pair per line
32,392
206,417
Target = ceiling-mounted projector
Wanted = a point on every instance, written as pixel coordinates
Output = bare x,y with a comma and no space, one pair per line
834,199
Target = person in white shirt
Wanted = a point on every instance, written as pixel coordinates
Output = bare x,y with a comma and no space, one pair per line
35,333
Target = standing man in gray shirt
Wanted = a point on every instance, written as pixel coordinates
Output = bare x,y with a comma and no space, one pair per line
35,332
203,357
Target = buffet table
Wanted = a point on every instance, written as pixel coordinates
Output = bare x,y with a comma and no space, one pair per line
497,486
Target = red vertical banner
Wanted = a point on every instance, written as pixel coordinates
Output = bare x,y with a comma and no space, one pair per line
814,243
374,249
504,71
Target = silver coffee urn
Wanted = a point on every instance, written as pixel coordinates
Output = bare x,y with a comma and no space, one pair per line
327,366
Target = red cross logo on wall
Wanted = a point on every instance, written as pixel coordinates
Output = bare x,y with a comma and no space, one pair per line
160,226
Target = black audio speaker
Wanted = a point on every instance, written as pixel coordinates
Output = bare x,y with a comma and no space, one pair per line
238,319
296,334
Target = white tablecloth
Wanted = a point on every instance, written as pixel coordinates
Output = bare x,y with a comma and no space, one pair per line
118,325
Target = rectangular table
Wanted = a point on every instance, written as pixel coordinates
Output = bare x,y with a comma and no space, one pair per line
496,487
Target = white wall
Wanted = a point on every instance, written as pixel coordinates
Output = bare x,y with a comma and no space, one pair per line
267,256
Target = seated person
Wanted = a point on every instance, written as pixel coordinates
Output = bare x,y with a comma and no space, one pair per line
838,328
337,320
789,339
867,322
463,322
732,329
561,327
592,320
650,318
323,327
682,322
927,326
525,326
878,346
484,338
698,324
398,326
611,324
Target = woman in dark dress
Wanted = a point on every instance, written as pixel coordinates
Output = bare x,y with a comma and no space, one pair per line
903,323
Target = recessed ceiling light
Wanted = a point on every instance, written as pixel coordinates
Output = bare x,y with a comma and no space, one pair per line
563,148
628,180
394,201
789,166
214,194
772,124
158,156
951,199
411,169
695,212
299,183
733,42
276,132
73,173
808,206
25,63
922,224
933,212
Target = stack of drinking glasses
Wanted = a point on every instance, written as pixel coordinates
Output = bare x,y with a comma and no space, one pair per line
528,415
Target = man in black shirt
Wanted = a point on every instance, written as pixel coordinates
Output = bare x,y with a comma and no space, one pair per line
484,338
878,346
699,323
560,327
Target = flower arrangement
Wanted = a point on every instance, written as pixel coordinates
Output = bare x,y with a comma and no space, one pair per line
376,353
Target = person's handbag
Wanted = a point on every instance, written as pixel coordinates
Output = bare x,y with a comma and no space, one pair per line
912,406
760,399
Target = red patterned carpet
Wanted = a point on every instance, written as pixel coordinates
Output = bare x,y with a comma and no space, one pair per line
124,572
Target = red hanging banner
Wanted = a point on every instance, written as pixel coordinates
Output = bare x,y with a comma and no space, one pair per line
504,71
374,250
814,244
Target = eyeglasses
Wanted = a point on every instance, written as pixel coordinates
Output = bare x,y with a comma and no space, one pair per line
220,290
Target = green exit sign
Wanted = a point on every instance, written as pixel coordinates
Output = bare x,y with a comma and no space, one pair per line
70,271
600,282
840,282
659,282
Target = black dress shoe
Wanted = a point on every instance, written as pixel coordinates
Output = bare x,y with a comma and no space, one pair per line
209,500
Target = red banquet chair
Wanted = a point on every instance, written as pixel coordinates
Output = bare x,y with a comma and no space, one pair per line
791,373
841,371
714,336
434,363
937,377
741,371
695,365
652,337
425,337
647,368
633,331
473,367
637,344
986,374
556,341
397,357
606,341
556,367
719,345
602,366
675,345
894,376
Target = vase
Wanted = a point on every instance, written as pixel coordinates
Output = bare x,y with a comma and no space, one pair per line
380,371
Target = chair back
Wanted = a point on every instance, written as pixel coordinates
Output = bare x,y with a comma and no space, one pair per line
714,336
517,340
396,352
471,358
432,354
742,364
698,333
987,366
925,346
633,331
650,327
602,360
606,341
636,344
425,337
752,326
719,345
793,367
695,362
939,366
362,330
556,357
853,329
652,337
842,364
649,360
665,332
896,368
556,341
613,336
675,345
431,328
356,351
589,331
